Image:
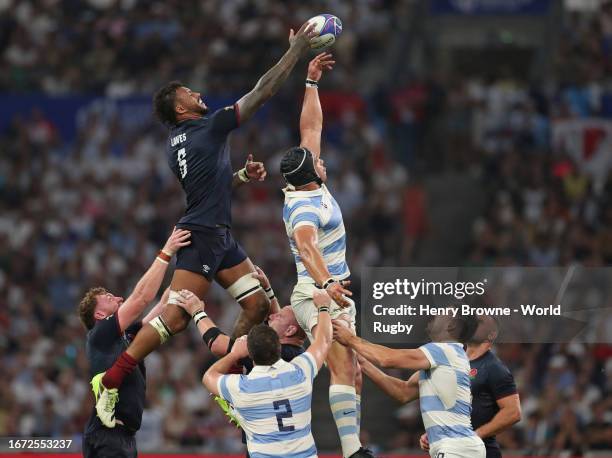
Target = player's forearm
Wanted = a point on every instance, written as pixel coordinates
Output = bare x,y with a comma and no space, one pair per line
311,118
372,352
274,306
323,333
268,84
155,311
147,287
505,418
220,345
236,181
314,263
399,390
390,385
386,357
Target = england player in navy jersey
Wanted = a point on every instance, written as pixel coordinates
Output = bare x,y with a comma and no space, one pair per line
112,324
198,153
495,401
442,383
273,402
317,238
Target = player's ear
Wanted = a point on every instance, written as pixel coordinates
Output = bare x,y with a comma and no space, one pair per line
99,315
180,109
290,331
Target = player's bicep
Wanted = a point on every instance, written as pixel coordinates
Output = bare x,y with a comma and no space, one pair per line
311,140
130,311
406,359
212,382
426,356
305,234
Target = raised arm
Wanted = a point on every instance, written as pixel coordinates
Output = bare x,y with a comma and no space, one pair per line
311,118
321,344
222,367
272,80
509,413
216,340
147,287
261,276
381,355
250,171
157,309
402,391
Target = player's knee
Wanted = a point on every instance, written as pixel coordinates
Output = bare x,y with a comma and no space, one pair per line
175,319
358,380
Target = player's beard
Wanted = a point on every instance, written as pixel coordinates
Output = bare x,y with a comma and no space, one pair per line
202,110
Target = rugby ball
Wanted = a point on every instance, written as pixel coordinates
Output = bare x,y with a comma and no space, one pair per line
328,28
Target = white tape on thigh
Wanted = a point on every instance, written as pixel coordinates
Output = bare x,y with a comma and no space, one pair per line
244,287
173,297
161,328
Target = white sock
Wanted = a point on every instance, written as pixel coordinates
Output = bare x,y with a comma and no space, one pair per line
358,409
342,400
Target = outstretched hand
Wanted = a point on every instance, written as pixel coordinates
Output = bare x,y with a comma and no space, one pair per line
261,276
342,333
338,291
301,39
323,61
240,349
189,302
178,239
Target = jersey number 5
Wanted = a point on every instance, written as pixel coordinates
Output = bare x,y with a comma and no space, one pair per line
286,414
181,157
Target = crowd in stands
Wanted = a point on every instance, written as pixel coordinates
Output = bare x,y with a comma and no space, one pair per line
94,210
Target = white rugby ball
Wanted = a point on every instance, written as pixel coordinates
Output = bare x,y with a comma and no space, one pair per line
328,28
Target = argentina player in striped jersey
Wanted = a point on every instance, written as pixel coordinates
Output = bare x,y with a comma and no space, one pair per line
273,402
317,238
442,383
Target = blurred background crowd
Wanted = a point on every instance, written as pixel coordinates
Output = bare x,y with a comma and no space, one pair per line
436,156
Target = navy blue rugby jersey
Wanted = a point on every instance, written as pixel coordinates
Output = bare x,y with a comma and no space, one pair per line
198,154
490,380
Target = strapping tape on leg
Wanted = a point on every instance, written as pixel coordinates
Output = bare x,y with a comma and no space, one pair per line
173,297
244,287
161,328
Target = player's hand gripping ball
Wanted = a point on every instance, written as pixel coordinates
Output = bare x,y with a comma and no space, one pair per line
327,28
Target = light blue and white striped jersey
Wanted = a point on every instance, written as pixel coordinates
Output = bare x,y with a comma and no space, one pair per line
272,404
319,209
444,391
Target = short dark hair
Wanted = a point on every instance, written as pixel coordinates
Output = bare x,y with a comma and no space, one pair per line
88,305
463,328
264,345
163,102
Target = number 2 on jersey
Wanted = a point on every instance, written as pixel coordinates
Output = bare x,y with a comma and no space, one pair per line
181,157
288,413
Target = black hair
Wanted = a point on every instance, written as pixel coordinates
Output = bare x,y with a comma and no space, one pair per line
464,327
264,345
163,102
